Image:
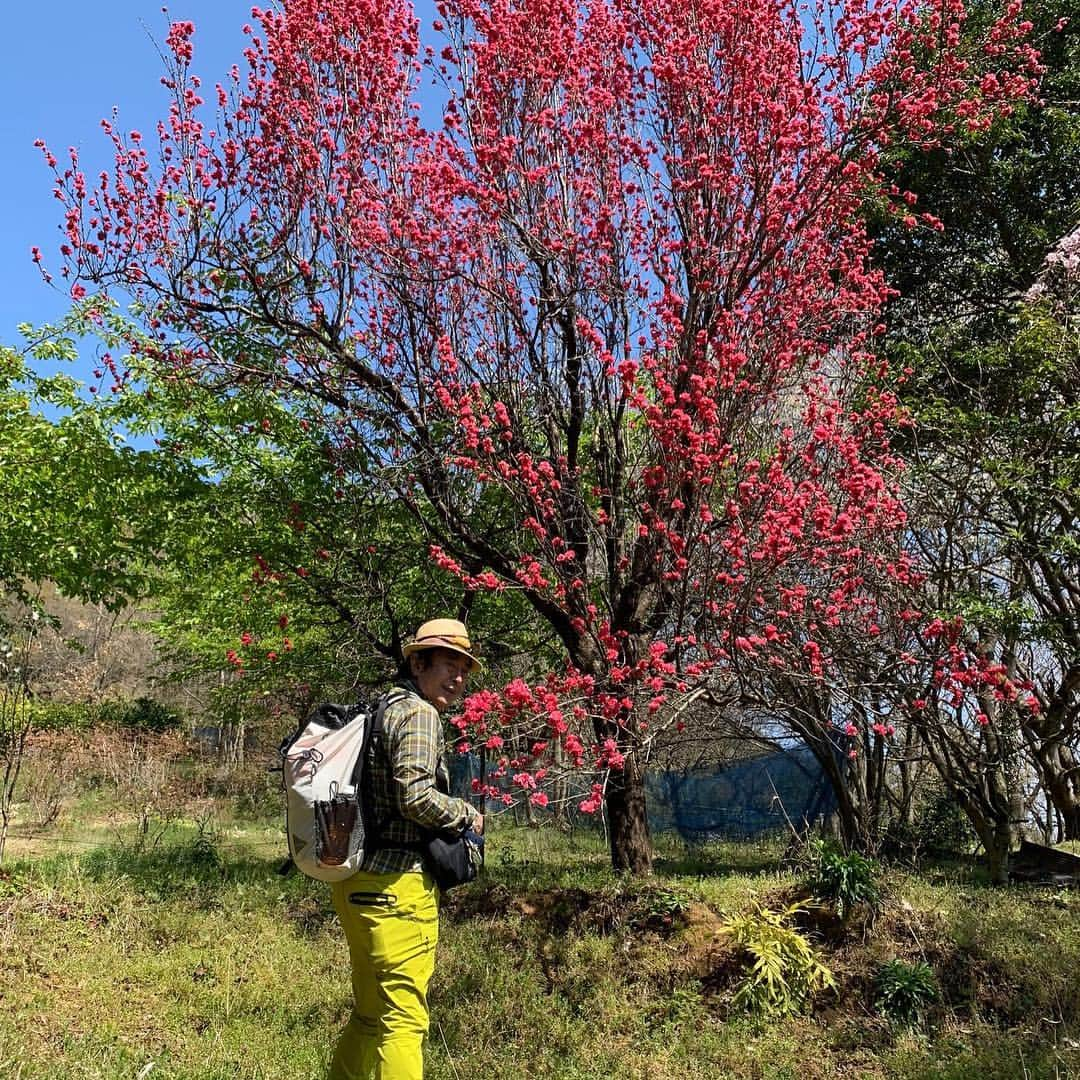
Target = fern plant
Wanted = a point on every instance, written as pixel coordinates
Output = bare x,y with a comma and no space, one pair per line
784,968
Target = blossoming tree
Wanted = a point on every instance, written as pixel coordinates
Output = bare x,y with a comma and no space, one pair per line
604,329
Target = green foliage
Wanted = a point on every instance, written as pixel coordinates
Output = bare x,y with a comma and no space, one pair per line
903,992
684,1008
16,646
146,714
784,968
665,904
942,826
142,714
1005,197
66,716
77,505
281,569
984,331
844,881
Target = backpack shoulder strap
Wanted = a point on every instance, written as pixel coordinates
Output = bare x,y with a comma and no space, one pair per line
373,828
374,731
392,697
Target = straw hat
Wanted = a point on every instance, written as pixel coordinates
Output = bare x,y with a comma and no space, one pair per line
443,634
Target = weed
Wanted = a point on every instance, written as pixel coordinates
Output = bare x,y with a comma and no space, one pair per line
200,856
903,992
664,906
683,1007
784,970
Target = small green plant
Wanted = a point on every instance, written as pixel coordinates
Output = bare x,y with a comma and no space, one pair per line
683,1007
902,992
844,881
202,852
665,905
784,968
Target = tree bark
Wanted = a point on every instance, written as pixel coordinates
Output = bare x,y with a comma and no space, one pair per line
997,840
628,820
847,813
1059,773
1069,818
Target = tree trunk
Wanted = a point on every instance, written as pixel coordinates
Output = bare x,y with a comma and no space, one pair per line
628,821
980,784
1069,819
998,842
1059,775
231,745
560,791
997,832
1048,738
848,815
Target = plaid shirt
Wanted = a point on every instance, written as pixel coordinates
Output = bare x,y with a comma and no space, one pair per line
405,779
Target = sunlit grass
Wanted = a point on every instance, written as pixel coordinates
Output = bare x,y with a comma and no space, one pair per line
192,955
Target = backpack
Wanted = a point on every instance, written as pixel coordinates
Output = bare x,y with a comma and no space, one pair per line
322,766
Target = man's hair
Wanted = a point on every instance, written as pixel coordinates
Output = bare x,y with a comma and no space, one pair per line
423,661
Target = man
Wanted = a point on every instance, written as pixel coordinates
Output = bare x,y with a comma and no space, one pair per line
389,909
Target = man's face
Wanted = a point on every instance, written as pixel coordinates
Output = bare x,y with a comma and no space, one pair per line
442,682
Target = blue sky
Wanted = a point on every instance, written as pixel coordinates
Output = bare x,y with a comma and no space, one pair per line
64,65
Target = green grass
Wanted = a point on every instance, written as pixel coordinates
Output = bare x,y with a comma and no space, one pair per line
194,957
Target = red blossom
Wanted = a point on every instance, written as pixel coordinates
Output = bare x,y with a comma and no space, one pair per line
605,330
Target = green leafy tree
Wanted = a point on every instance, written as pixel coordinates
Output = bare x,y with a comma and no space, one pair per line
986,330
277,577
78,506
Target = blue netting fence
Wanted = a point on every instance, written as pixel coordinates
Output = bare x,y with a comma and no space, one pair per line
736,801
743,799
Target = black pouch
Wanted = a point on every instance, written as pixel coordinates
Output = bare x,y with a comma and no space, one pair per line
454,861
335,820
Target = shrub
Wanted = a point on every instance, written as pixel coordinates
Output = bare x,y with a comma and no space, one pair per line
146,714
63,716
784,968
944,828
844,881
902,992
48,778
143,771
142,714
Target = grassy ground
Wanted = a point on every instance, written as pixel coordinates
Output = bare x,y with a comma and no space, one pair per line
192,959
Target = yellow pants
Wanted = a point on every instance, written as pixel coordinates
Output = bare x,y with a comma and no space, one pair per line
391,923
